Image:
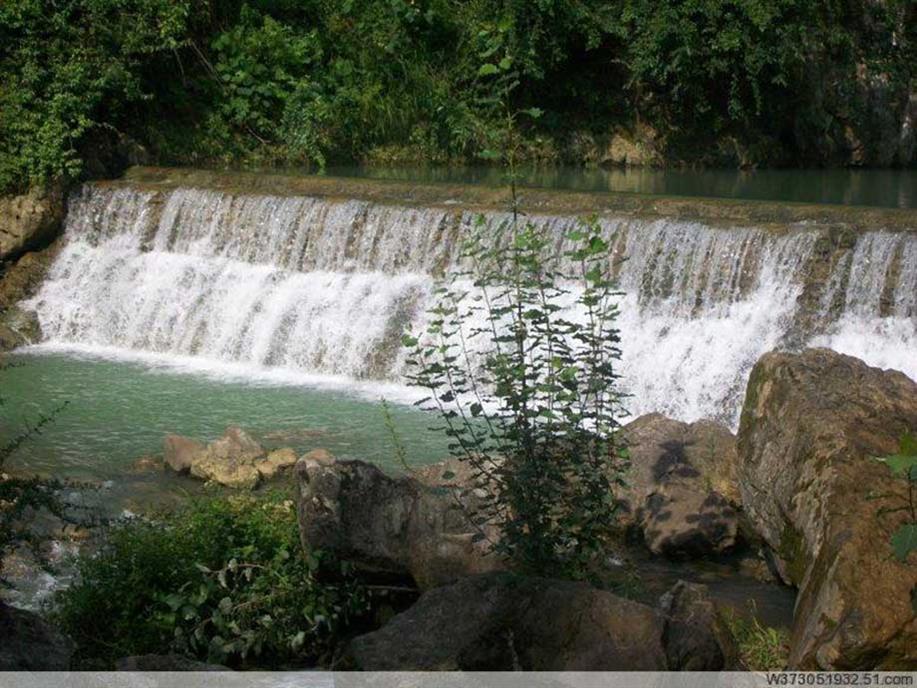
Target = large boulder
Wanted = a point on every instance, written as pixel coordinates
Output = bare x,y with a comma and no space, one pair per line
811,426
681,491
499,621
30,220
395,526
232,460
29,643
503,622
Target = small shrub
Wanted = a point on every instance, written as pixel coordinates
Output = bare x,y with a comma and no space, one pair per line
904,465
223,580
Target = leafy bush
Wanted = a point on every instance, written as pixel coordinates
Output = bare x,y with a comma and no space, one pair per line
223,580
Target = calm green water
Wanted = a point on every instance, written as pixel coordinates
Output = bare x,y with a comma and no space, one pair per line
884,188
121,410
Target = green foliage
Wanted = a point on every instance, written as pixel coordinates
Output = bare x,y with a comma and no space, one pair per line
69,67
904,465
761,648
223,580
280,82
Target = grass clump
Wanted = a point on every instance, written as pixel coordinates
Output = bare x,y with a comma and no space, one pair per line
761,648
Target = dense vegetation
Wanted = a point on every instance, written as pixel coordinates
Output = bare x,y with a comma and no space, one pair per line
293,82
223,579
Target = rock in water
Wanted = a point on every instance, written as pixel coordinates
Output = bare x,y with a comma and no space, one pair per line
276,461
29,643
810,427
231,460
389,525
179,452
498,621
682,489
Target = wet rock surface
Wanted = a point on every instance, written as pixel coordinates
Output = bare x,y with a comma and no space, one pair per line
810,429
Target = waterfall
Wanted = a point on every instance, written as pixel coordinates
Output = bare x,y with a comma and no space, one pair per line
326,287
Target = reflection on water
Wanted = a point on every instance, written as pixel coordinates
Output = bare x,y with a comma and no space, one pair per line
885,188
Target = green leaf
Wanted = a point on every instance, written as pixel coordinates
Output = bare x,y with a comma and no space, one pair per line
506,63
909,444
534,112
900,464
904,541
488,69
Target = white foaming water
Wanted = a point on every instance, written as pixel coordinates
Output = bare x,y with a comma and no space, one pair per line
306,289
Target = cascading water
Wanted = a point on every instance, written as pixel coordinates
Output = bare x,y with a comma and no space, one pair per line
327,287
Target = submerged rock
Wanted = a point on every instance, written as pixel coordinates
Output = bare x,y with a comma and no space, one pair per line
502,622
29,643
146,464
682,489
810,429
389,525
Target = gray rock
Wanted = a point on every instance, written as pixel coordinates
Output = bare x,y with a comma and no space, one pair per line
390,525
502,622
29,643
810,427
695,637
